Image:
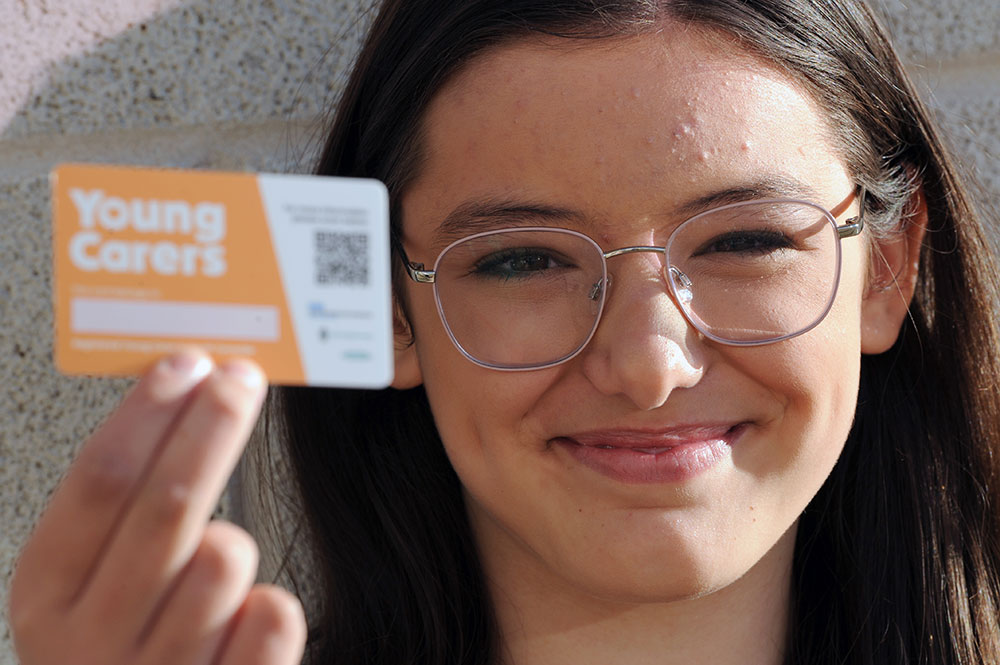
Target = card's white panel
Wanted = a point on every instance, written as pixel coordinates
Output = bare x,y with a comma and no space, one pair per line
331,238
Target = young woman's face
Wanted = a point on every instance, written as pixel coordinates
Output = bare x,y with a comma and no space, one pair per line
625,134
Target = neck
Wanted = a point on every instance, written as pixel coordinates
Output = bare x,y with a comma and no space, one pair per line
545,620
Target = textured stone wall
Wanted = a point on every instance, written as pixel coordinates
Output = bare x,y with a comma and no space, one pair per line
217,84
239,84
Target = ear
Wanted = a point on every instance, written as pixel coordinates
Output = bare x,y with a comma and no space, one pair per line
894,266
407,373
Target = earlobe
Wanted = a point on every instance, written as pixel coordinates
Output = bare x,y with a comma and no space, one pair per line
895,265
407,372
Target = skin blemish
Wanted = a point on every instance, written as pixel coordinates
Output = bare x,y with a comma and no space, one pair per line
638,353
635,93
684,129
706,154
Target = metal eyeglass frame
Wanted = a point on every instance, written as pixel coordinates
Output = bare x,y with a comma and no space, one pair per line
852,227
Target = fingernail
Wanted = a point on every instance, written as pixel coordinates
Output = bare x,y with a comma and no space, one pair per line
189,364
245,373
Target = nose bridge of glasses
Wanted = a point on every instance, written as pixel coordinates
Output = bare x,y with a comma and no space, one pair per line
667,271
671,275
599,288
633,250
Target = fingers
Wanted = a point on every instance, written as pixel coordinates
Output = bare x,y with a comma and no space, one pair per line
164,521
192,623
124,540
269,630
91,499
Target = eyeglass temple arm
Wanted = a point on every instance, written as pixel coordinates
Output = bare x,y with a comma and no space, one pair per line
417,273
414,270
854,225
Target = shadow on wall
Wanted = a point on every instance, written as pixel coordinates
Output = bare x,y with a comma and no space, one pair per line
200,66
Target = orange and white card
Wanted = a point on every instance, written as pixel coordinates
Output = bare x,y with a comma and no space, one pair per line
291,271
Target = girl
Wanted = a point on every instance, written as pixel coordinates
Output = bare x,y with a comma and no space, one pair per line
695,359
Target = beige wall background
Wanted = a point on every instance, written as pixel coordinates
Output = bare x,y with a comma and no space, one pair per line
240,85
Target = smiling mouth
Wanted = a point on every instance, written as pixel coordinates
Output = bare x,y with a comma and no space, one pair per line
670,456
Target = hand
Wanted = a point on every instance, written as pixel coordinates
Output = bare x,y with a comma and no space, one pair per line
124,567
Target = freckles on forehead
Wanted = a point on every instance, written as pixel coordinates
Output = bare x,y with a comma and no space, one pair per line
664,107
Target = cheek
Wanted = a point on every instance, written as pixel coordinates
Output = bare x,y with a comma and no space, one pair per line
814,377
481,414
818,372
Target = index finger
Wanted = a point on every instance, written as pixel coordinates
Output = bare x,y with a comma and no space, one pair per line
92,498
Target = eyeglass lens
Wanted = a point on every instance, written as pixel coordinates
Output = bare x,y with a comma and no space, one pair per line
742,274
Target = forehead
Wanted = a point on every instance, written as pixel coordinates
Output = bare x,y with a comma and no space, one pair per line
597,121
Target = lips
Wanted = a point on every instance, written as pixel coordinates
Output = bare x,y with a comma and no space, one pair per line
642,457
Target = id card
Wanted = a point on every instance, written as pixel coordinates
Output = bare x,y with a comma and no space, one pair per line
291,271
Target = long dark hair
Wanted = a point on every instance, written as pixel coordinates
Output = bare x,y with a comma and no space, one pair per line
897,556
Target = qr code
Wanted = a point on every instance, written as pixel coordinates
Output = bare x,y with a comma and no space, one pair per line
341,258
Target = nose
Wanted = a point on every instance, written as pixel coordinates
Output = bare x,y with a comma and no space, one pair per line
642,348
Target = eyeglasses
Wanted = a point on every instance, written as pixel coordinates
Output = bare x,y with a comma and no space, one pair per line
743,274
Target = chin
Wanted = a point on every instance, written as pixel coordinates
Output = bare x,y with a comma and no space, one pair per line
658,585
679,569
636,575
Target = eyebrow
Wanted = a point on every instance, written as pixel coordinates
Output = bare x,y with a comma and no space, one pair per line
489,214
477,216
771,186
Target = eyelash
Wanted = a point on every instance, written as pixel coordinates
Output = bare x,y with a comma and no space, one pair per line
492,264
760,242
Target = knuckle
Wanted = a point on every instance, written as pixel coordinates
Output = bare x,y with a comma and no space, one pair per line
275,611
168,503
106,475
225,558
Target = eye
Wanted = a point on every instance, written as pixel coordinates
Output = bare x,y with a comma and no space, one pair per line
518,262
749,241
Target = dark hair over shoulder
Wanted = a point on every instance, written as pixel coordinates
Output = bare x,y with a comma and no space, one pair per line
898,555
